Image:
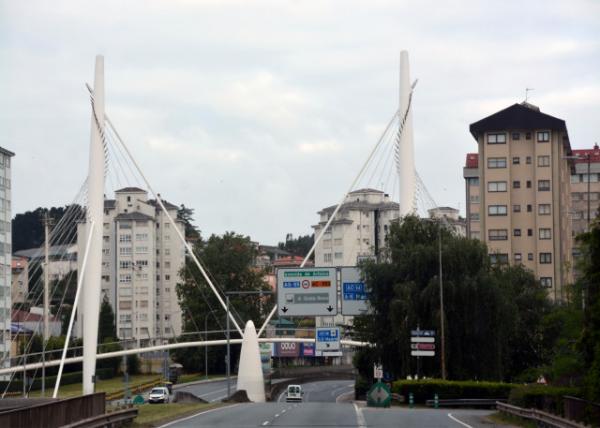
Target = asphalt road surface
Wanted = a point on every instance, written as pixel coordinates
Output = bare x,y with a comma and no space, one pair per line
324,392
210,391
328,414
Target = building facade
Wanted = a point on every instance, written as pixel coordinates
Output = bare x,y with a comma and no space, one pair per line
451,217
141,259
518,192
359,229
5,255
20,279
585,188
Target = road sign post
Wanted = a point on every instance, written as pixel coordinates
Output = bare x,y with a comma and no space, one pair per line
422,343
307,292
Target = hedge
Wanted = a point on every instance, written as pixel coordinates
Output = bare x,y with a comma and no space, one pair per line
424,390
542,397
66,379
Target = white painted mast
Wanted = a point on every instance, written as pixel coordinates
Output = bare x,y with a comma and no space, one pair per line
95,212
406,161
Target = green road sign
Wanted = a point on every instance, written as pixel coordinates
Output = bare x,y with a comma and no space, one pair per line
138,399
379,395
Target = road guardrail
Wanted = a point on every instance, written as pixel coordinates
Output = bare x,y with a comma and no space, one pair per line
114,419
547,419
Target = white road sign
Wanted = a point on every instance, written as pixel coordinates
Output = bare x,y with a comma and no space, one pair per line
353,292
306,292
327,339
377,371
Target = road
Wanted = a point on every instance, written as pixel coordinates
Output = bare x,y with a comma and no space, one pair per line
323,407
210,391
327,414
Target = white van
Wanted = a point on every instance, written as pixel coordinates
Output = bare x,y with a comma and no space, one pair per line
294,393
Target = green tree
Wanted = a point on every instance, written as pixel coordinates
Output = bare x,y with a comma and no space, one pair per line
486,309
187,216
230,261
299,246
106,321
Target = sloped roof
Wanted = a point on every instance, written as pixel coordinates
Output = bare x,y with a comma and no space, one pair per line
130,190
518,116
167,205
134,216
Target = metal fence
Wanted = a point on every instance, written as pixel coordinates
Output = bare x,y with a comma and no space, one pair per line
55,413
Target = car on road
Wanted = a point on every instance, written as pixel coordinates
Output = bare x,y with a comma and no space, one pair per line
159,395
294,393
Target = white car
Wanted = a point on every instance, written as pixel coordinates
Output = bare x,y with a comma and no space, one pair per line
294,393
159,395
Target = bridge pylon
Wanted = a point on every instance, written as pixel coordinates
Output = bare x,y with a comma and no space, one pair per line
250,374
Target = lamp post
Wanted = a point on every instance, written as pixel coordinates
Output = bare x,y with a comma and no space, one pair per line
442,322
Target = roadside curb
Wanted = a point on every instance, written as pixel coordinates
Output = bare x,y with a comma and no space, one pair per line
193,415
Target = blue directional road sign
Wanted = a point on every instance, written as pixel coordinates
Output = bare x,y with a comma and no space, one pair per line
328,339
353,292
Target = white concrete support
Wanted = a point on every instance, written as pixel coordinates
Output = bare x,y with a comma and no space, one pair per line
406,161
250,375
95,212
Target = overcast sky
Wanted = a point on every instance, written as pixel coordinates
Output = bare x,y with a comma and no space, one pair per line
259,113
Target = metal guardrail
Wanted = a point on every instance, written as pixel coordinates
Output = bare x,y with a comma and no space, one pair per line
135,389
547,419
114,419
466,402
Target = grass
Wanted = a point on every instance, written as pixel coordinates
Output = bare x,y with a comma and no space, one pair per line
504,419
109,386
151,415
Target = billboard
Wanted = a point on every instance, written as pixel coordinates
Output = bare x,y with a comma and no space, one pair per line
287,349
308,349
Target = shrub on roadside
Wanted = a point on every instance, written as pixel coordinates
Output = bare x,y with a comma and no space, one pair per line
424,390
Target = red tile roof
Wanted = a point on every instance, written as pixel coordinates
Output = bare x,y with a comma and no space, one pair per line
583,153
472,160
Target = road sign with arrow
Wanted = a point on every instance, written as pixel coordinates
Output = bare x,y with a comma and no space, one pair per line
379,395
327,339
307,292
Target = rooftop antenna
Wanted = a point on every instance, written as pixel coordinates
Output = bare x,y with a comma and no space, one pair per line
527,93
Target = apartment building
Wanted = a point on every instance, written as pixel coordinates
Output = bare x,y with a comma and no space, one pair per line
359,229
585,188
141,259
5,256
20,279
518,192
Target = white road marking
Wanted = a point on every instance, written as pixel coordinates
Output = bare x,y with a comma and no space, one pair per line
265,423
197,414
283,411
460,422
276,415
360,418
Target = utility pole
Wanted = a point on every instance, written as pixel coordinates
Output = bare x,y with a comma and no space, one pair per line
228,352
46,298
443,338
589,159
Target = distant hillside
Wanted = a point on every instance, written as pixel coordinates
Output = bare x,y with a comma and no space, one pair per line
28,228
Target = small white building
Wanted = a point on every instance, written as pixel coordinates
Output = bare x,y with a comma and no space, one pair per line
141,259
451,217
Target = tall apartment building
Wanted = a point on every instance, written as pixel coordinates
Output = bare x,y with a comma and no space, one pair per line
5,256
359,229
518,192
141,259
585,188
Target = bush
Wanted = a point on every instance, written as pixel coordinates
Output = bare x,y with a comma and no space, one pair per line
66,379
361,387
542,397
424,390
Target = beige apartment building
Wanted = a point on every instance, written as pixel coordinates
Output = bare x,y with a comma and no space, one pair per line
585,188
518,192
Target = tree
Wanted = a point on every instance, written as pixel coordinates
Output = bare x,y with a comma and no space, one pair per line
488,310
229,260
106,322
186,215
589,342
299,246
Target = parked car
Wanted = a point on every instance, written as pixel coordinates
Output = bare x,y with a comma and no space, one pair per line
159,395
294,393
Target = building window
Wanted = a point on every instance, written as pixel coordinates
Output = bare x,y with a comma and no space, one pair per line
475,216
528,184
475,235
529,232
125,278
516,184
517,208
327,257
143,303
545,258
496,162
544,209
544,160
499,258
498,234
497,186
516,160
141,263
530,256
125,305
167,277
546,281
496,138
528,159
124,251
474,199
518,257
125,264
517,232
124,238
543,136
497,210
545,233
575,178
543,185
338,241
474,181
141,250
141,236
528,135
167,252
516,136
576,196
338,255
